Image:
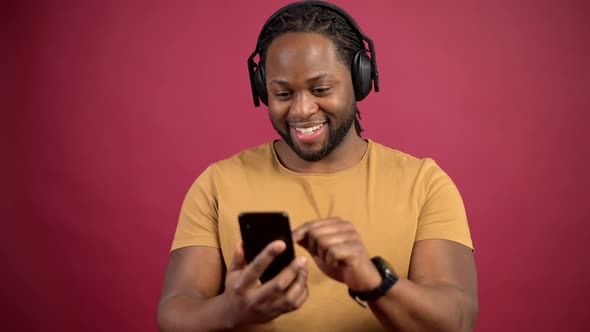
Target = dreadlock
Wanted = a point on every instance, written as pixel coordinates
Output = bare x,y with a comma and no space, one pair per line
321,20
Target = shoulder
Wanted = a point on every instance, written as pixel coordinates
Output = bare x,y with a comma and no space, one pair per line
399,160
250,157
252,160
398,157
405,167
234,169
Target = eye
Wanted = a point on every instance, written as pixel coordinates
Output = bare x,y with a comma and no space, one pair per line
282,94
321,91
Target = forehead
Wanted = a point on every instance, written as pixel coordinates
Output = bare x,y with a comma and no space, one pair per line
302,53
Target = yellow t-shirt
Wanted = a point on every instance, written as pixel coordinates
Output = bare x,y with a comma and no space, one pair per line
393,200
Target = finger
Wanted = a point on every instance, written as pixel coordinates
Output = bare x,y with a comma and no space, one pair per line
325,234
330,226
300,299
324,242
256,267
296,294
298,286
300,232
345,254
277,286
238,262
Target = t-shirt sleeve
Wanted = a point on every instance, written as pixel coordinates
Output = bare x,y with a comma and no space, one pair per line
197,223
442,215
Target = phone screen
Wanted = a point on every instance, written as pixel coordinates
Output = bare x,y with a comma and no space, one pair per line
258,230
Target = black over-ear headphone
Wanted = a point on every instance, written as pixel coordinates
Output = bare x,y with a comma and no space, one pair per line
363,68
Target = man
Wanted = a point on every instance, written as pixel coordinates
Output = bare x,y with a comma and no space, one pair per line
356,207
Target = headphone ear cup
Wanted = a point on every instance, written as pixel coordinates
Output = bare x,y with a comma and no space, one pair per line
260,83
361,71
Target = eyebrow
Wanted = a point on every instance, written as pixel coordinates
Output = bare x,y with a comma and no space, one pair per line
308,81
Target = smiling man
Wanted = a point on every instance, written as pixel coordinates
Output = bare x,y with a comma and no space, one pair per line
316,126
374,226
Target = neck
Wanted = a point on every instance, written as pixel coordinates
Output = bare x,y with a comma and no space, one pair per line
347,154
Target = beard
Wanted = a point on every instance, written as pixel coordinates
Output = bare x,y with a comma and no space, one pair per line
335,137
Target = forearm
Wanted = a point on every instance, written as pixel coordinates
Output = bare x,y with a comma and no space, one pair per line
185,313
409,306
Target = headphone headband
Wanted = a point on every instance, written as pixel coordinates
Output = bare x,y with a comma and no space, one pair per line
309,3
252,65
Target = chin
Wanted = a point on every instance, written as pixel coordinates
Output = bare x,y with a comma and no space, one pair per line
311,154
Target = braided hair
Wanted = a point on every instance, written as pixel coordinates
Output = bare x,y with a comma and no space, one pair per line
320,20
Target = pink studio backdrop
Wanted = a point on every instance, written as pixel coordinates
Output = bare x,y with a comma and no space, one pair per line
113,108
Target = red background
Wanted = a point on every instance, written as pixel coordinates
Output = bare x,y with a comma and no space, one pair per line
112,108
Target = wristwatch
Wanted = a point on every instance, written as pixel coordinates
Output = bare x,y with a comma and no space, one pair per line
389,279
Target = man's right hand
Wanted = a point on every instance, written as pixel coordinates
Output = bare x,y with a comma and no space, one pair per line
248,301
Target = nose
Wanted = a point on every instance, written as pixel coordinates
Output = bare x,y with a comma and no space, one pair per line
303,105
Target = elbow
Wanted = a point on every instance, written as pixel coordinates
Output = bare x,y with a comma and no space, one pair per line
474,312
468,316
463,318
161,320
165,322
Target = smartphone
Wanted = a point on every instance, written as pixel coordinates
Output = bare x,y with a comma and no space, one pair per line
261,228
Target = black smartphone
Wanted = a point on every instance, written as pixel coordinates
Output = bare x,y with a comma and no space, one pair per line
258,230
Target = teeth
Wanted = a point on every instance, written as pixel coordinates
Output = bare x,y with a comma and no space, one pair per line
309,130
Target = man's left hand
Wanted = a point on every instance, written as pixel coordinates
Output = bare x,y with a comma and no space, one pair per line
339,252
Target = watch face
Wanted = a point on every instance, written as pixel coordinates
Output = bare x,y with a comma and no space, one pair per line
382,266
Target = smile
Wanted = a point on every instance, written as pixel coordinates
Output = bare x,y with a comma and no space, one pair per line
309,130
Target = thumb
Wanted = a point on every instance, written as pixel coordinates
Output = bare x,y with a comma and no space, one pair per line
238,262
